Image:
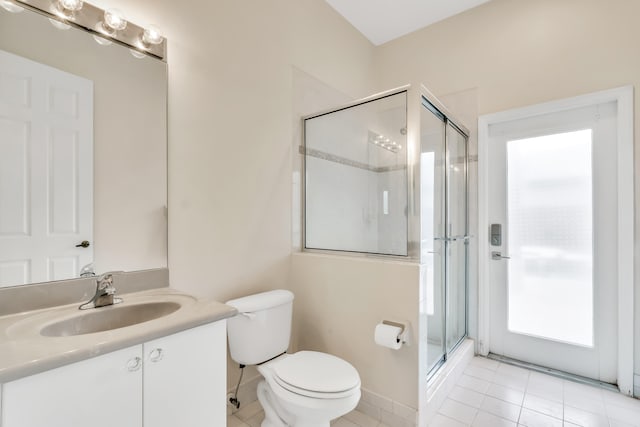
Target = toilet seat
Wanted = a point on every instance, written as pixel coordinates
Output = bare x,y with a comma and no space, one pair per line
316,375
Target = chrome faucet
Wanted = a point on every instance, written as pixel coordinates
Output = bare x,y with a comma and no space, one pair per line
105,293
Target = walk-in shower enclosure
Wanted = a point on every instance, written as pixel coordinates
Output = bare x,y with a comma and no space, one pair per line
387,177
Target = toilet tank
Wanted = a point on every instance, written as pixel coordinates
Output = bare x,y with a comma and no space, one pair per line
262,328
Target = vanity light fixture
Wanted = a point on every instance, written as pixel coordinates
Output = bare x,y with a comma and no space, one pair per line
107,27
112,22
68,8
151,36
384,142
10,6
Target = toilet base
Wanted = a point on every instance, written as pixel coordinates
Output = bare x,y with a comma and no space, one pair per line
271,417
274,417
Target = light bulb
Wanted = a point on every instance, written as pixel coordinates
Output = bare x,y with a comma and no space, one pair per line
137,54
102,41
70,5
59,25
114,20
10,6
152,35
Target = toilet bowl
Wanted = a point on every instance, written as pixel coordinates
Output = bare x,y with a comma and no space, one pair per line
303,389
307,389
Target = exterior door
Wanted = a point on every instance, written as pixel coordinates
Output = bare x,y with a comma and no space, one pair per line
46,172
552,206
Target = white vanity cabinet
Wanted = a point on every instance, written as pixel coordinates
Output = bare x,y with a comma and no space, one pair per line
104,391
185,378
176,380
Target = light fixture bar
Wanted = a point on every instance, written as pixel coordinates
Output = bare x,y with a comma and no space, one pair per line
385,142
87,19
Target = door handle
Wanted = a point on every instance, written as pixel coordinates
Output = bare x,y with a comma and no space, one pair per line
83,244
495,255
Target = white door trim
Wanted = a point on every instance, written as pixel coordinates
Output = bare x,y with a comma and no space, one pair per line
624,98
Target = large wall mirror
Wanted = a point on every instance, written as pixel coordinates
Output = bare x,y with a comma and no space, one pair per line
83,154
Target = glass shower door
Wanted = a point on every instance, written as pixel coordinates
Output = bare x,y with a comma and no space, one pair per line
443,251
457,242
432,218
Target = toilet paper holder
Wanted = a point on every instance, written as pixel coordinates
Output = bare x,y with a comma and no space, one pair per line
403,336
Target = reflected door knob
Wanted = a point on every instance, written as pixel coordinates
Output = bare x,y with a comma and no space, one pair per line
83,244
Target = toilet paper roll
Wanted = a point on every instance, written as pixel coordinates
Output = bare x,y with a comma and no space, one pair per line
387,336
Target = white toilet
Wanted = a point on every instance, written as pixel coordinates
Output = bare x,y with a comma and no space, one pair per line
304,389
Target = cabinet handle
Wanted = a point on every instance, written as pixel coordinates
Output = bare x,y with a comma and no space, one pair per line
156,355
134,364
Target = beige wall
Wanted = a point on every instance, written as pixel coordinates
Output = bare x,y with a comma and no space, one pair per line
515,53
230,167
339,302
230,96
230,130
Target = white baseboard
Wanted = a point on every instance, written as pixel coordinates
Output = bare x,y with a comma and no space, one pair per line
387,411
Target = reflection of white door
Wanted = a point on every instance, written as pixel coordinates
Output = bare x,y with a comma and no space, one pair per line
553,184
46,172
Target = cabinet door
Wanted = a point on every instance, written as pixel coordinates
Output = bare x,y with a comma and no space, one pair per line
185,378
105,391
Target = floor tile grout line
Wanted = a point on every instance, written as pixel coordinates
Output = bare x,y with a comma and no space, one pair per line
539,393
452,419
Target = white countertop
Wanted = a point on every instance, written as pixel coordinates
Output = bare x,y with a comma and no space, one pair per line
24,352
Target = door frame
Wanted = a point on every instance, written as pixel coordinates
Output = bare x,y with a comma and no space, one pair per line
623,96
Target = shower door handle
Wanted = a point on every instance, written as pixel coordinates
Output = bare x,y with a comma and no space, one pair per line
453,238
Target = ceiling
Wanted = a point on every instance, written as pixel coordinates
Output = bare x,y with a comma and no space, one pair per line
384,20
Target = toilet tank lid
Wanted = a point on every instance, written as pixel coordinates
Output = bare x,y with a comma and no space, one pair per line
261,301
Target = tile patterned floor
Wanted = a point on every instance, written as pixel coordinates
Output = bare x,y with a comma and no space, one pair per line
494,394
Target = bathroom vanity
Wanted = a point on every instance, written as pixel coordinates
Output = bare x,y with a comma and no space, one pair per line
61,366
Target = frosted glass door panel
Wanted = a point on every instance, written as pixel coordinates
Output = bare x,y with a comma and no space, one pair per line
553,186
356,178
550,238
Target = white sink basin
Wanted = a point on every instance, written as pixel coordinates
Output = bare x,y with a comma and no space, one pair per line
108,318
